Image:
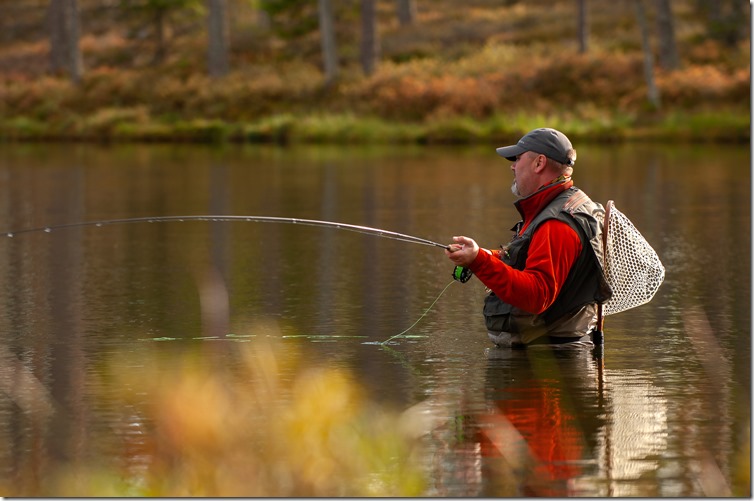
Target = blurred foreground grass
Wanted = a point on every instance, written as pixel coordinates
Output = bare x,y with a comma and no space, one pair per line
190,425
258,419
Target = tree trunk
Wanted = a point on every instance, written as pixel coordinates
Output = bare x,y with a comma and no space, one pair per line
653,93
737,23
668,53
406,12
160,51
370,44
65,54
583,27
55,16
217,34
75,64
327,38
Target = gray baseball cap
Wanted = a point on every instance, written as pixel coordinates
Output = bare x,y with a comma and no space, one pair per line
549,142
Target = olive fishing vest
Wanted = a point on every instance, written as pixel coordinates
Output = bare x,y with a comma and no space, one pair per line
585,283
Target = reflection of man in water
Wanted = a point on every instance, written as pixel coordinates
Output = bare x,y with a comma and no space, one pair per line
545,410
545,284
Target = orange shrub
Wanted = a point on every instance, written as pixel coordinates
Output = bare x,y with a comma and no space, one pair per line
706,84
40,97
575,78
414,97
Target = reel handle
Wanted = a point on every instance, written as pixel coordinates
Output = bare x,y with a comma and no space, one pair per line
462,274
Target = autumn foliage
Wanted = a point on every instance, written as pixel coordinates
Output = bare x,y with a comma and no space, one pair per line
504,69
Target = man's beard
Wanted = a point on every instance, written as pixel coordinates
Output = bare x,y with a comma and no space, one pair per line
514,190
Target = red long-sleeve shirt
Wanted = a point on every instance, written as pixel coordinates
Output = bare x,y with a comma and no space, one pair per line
553,249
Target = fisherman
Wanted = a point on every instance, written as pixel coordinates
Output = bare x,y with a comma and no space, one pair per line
545,284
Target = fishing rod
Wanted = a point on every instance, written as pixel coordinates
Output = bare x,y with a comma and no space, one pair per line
258,219
460,274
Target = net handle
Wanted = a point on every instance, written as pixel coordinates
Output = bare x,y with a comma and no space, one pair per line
605,229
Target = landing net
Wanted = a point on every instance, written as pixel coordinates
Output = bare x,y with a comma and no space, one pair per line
632,267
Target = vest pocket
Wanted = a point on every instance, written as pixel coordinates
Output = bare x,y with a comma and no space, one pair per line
497,314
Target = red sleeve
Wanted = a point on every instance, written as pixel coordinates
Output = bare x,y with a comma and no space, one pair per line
553,250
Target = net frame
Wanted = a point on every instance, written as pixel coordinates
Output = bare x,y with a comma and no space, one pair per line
632,267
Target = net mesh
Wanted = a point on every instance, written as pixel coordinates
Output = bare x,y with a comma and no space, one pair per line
632,267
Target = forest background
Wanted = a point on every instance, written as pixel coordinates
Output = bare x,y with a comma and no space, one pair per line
398,71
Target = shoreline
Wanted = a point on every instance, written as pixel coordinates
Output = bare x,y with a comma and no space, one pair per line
672,127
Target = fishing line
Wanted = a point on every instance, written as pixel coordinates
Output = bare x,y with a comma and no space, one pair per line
422,315
367,230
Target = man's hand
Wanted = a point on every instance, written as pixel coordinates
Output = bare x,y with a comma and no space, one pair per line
463,251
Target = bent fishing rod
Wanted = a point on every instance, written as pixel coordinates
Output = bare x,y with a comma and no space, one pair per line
460,274
258,219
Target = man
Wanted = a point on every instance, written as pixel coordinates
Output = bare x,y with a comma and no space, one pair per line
545,284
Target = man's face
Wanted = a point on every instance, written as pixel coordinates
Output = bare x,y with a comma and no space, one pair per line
524,178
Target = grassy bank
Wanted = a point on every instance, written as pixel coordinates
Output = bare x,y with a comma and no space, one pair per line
489,75
119,125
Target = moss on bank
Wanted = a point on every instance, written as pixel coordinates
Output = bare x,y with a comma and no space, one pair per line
129,125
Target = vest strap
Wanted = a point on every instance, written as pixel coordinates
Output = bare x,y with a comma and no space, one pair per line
575,201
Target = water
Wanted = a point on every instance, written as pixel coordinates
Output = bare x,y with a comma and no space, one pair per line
665,412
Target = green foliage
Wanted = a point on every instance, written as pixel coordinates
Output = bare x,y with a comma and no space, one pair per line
147,9
724,20
349,128
458,130
22,127
292,18
276,129
706,126
105,121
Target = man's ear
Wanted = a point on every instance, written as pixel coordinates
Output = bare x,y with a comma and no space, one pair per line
541,164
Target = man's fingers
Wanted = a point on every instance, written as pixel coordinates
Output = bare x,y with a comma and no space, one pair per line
463,240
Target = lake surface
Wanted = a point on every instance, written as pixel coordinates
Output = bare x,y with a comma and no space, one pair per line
664,412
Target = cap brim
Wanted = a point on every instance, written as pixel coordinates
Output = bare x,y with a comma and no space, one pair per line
510,152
